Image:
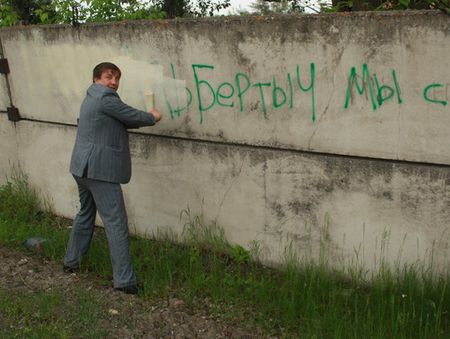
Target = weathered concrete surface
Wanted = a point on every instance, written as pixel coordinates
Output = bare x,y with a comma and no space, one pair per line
4,97
272,62
353,210
8,148
260,172
44,154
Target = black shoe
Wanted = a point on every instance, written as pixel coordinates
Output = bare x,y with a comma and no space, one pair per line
68,269
128,289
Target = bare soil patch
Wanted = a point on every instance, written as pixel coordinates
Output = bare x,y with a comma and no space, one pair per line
122,315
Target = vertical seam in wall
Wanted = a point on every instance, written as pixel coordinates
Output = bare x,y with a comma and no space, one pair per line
265,195
16,160
8,87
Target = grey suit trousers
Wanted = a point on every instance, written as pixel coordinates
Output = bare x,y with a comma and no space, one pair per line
107,198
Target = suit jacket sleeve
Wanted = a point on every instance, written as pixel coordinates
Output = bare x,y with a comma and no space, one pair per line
129,116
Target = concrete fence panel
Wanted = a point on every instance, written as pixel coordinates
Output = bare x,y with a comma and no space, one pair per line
291,131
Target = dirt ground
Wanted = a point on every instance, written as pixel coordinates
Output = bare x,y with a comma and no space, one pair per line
20,272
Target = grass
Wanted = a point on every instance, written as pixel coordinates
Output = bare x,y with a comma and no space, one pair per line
49,315
300,299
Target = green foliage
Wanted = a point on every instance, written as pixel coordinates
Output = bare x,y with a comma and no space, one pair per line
26,12
69,11
240,254
174,8
383,5
112,10
190,8
413,4
209,7
264,7
8,16
75,12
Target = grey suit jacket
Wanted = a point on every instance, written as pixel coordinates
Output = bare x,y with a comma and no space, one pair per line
101,149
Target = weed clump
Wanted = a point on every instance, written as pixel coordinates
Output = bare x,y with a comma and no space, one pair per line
18,200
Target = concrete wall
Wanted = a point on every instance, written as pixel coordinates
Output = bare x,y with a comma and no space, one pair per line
315,131
8,153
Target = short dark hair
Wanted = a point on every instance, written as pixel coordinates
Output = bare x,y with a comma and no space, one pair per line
102,67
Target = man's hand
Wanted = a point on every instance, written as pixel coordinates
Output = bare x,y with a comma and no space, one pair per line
157,114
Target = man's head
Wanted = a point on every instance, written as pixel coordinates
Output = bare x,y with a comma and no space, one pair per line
107,74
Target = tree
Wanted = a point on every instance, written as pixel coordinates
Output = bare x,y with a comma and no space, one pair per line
22,11
175,8
209,7
70,11
264,7
286,6
199,8
369,5
75,12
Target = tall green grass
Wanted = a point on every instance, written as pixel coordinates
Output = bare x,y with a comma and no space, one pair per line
51,314
299,299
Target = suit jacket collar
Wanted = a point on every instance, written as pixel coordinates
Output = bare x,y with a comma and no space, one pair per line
97,90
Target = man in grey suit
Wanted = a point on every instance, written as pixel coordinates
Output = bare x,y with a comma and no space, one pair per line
100,163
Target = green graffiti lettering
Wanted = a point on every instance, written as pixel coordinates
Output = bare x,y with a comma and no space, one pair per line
381,89
427,96
239,88
310,88
220,95
261,93
397,87
229,93
390,91
276,91
353,78
198,83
